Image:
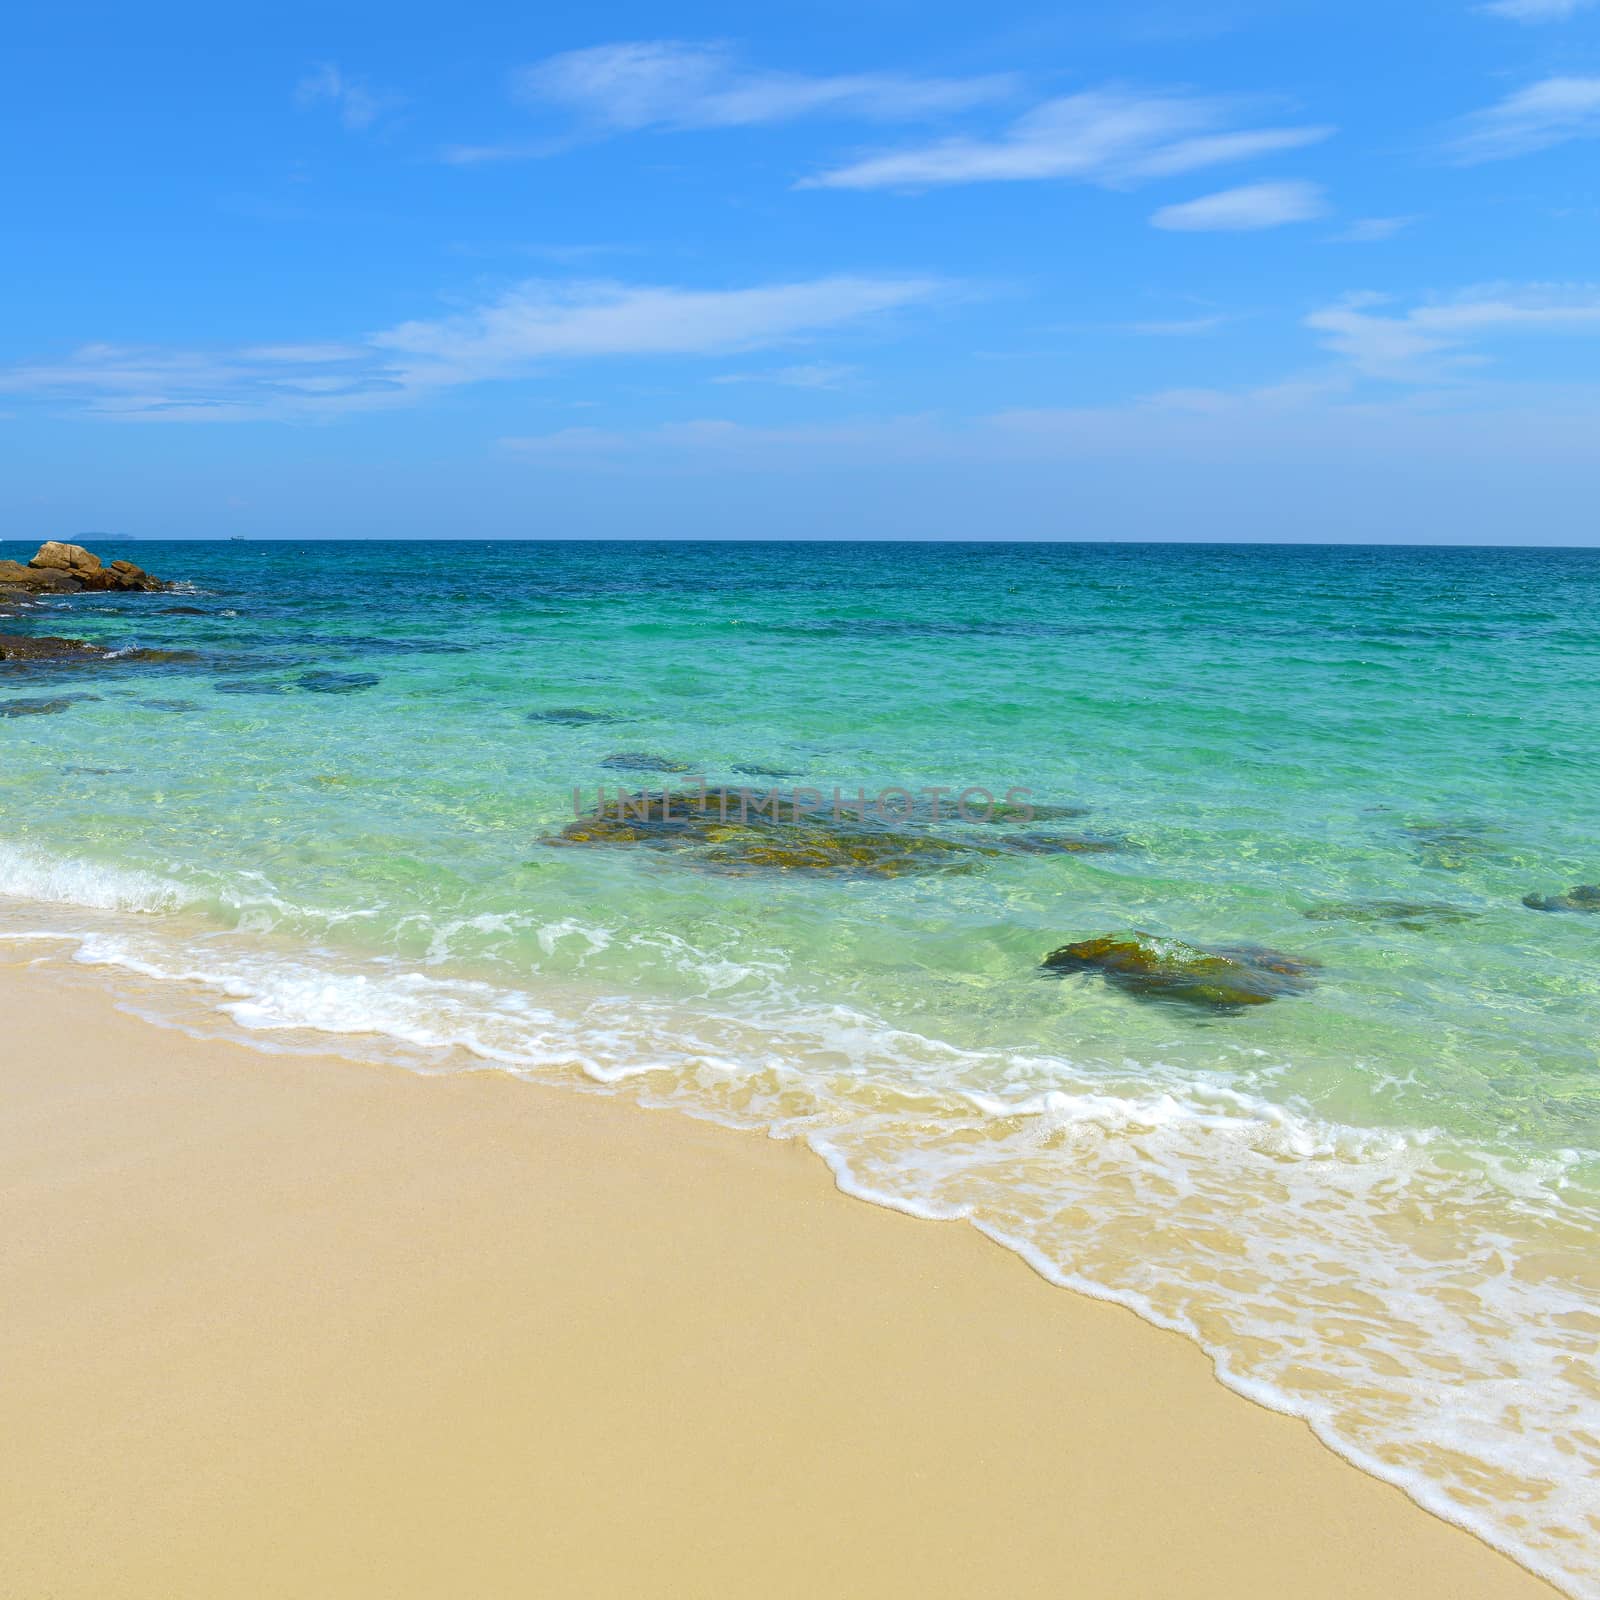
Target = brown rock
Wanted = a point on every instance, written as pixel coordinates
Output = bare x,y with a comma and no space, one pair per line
65,568
50,580
72,559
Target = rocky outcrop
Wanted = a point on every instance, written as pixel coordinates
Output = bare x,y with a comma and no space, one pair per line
68,569
72,559
1222,978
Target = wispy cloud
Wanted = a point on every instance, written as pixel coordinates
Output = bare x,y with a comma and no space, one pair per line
1535,10
1322,415
803,375
129,381
674,84
1372,230
1111,136
1181,327
1243,210
541,322
1546,113
358,105
533,326
1432,343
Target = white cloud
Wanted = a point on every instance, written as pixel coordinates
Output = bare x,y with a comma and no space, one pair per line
1546,113
669,83
358,105
1431,343
1256,205
1373,230
1536,10
1106,136
539,323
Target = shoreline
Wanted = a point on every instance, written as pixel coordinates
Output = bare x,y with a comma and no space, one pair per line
287,1324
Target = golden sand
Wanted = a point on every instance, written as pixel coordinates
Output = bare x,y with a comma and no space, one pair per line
302,1328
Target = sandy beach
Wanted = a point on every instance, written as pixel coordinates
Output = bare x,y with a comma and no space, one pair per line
291,1326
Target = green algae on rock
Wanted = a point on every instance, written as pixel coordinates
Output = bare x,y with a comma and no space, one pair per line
1585,898
1223,977
729,831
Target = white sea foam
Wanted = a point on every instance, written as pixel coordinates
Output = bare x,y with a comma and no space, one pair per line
1378,1282
27,874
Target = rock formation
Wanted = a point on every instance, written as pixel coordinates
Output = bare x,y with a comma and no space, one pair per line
68,569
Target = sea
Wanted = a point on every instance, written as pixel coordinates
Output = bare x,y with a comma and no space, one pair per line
334,794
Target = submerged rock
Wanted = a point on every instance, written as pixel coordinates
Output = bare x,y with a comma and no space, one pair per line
754,769
336,682
642,761
573,716
1056,844
35,649
41,707
738,830
1414,914
155,658
1222,978
841,853
19,647
723,830
1584,898
1007,811
1452,846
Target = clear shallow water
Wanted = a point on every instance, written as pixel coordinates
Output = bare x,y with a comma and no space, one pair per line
1377,1205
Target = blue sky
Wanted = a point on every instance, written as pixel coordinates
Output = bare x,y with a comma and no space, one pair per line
1237,270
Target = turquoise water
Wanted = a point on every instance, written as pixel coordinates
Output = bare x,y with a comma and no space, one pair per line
1377,1204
